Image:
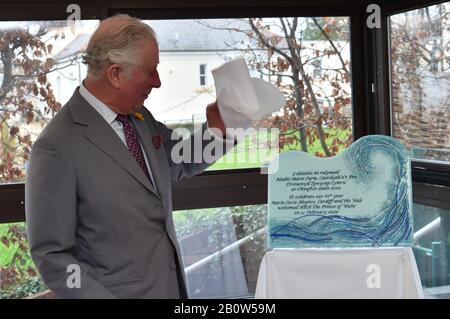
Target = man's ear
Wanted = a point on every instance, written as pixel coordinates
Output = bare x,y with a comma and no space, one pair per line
113,75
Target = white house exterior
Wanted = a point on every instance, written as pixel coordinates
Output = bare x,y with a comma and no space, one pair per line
189,51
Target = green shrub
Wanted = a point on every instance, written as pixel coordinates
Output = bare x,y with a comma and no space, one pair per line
18,275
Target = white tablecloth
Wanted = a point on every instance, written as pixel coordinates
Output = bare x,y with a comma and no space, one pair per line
339,273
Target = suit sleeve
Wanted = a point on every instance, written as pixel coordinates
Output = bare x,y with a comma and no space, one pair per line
51,216
191,156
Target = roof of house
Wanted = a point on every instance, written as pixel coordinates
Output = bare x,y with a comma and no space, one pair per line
77,45
183,35
200,35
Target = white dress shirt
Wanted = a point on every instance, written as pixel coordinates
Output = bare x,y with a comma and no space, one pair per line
110,117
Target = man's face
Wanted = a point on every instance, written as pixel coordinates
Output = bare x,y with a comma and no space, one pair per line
141,79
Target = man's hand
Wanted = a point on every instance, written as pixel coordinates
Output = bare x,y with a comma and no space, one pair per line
214,119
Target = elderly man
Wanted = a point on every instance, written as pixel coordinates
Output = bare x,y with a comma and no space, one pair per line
98,192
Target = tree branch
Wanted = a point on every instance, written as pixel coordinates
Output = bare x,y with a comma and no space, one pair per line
301,69
297,130
268,45
332,44
291,45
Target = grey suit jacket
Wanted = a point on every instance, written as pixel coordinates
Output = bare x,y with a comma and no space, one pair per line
88,203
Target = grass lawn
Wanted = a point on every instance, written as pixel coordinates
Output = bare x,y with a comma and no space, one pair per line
246,155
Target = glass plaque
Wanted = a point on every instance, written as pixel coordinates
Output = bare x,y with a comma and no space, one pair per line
359,198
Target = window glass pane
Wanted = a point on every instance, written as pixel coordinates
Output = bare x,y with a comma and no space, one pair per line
40,66
233,269
432,249
420,80
18,275
202,69
38,80
307,58
222,249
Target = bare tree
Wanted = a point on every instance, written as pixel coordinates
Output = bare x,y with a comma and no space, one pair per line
420,65
25,93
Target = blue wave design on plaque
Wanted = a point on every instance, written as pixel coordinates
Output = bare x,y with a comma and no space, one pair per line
359,198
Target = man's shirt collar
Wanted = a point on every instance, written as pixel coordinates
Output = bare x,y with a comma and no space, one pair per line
105,111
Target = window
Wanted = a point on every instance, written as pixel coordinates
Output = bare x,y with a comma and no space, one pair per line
316,80
27,111
432,249
420,107
202,74
39,70
222,249
420,81
316,119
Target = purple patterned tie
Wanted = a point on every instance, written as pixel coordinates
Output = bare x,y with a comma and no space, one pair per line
133,143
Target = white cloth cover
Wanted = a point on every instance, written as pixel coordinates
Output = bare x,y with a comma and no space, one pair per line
242,99
339,273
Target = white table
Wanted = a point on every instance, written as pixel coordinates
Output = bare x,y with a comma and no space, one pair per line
339,273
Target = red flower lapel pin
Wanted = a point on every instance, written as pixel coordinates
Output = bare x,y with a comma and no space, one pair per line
157,140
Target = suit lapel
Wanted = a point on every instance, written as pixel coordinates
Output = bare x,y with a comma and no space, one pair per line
100,133
156,157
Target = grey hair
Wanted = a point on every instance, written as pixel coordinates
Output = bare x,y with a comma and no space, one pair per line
117,44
